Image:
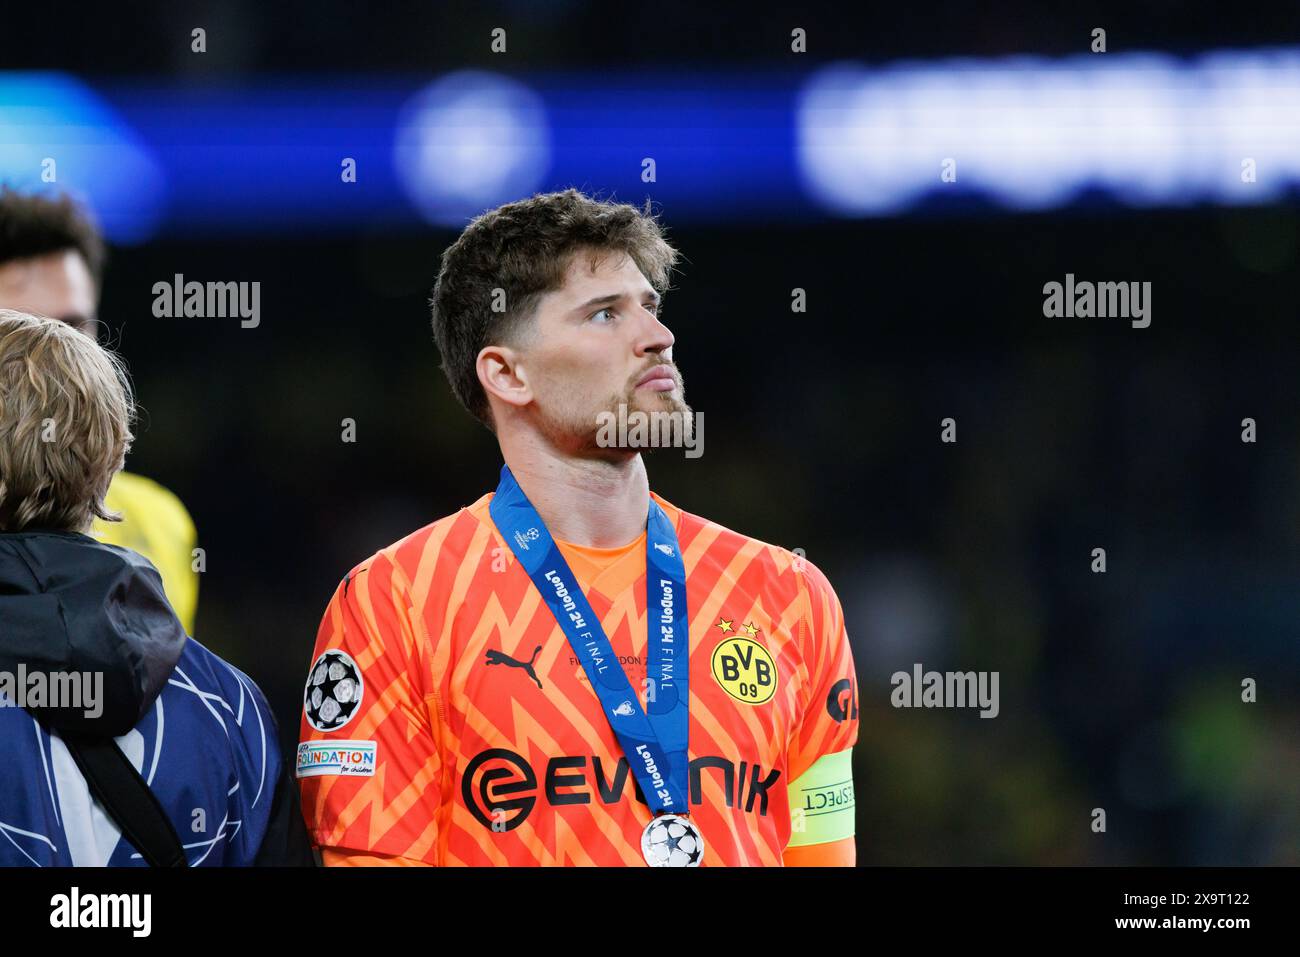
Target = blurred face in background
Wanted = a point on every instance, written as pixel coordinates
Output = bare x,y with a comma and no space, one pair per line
58,285
597,343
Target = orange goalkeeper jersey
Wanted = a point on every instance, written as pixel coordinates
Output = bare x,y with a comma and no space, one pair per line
447,720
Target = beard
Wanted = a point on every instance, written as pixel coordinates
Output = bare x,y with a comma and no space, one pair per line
584,428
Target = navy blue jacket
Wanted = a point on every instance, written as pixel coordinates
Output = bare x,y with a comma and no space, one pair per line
198,730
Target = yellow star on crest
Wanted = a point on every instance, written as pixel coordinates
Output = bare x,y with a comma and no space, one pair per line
724,625
750,629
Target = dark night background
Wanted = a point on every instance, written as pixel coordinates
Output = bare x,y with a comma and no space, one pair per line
1119,691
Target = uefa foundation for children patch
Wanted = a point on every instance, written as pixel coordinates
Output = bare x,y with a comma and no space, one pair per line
343,758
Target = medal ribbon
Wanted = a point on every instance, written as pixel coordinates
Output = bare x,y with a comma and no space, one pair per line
653,739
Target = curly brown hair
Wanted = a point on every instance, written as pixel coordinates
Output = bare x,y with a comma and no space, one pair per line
32,225
524,249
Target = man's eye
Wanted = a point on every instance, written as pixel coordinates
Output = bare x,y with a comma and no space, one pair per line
595,317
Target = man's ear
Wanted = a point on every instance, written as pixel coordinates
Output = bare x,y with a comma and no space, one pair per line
502,374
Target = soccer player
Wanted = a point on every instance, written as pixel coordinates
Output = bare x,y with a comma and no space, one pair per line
51,264
572,670
105,705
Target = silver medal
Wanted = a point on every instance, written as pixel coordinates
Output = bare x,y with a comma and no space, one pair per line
671,840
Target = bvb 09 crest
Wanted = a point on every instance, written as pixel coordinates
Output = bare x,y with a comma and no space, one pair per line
742,667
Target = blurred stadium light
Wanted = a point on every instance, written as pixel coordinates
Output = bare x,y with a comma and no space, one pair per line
1022,133
1145,129
57,133
468,141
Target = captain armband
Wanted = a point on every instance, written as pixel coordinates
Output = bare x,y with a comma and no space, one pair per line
821,801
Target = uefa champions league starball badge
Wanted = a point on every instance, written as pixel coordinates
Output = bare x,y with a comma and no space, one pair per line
671,840
334,691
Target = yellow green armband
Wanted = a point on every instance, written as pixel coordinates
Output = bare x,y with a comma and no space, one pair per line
821,801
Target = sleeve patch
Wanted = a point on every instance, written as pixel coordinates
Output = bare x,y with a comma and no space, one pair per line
342,758
821,801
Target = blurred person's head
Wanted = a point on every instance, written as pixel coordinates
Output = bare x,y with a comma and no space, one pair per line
66,411
51,259
546,312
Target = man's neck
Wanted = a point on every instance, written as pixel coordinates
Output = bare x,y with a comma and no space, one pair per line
592,502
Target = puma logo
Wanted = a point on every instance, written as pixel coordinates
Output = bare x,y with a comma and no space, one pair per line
495,657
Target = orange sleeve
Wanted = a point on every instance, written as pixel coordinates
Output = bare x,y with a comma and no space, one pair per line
372,783
830,709
819,753
333,857
841,853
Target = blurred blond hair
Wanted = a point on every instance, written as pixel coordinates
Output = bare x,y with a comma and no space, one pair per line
66,412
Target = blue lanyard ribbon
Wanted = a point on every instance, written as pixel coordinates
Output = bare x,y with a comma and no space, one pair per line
654,739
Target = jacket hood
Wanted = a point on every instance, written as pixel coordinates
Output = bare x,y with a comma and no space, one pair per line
69,603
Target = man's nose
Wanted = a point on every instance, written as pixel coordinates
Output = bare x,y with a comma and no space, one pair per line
655,338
